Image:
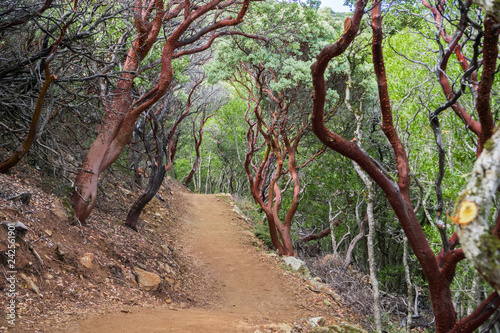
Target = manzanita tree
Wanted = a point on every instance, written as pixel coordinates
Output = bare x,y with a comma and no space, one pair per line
272,76
280,144
438,268
198,132
165,141
188,27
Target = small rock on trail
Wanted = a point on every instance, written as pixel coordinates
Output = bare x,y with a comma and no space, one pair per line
246,288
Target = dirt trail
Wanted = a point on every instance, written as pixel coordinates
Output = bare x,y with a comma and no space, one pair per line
245,288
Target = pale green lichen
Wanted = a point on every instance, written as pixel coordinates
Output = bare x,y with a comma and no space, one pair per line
489,145
489,244
68,208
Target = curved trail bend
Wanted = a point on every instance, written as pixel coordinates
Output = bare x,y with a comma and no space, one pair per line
246,289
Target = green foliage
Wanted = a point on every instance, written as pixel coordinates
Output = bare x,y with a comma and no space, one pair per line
291,37
404,15
391,276
249,209
68,208
179,67
56,186
261,231
295,34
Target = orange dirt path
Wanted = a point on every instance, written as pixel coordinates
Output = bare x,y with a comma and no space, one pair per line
246,288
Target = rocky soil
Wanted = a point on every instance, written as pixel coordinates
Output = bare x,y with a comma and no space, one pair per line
194,262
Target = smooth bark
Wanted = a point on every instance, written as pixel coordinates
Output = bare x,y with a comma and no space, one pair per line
439,276
123,111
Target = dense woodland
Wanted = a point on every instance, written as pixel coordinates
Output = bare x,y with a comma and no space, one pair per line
369,136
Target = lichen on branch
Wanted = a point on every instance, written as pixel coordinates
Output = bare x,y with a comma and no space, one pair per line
480,245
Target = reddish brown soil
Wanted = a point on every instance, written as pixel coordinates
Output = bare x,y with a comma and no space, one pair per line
246,288
220,278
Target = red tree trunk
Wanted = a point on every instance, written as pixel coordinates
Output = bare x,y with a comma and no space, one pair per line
123,112
438,277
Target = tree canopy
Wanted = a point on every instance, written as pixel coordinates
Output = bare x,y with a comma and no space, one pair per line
354,134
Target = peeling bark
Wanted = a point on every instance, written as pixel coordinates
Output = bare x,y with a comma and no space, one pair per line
397,194
281,136
453,47
438,270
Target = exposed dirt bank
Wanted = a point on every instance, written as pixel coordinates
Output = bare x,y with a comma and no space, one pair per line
215,275
245,288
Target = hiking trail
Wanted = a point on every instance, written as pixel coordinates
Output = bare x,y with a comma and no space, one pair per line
245,288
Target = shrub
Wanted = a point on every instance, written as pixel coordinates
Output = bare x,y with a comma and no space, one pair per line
261,231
